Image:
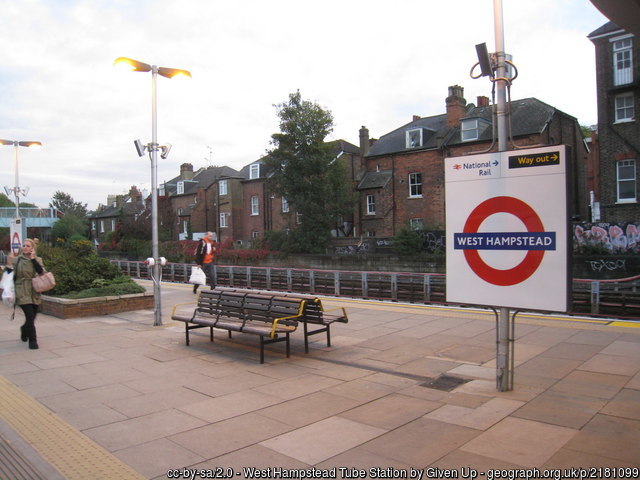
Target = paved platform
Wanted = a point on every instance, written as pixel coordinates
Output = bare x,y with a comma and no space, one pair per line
115,397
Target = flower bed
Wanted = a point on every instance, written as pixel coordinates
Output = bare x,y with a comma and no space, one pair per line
88,307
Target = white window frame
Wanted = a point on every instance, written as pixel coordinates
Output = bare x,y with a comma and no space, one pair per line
469,130
622,60
101,226
185,224
298,218
222,187
255,234
624,107
180,188
371,204
255,205
254,171
285,205
223,220
627,178
413,138
93,225
113,225
415,185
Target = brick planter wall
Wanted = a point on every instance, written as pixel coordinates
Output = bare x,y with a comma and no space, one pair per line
88,307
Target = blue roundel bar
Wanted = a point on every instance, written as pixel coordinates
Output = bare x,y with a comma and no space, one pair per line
505,241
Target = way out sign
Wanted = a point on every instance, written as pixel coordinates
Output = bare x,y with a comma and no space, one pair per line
507,229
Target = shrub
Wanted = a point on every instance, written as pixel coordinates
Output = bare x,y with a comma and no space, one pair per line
76,267
407,242
119,286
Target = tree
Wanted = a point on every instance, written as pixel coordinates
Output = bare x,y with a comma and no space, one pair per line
68,226
67,205
306,173
6,201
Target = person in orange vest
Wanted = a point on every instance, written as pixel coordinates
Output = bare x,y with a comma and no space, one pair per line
205,257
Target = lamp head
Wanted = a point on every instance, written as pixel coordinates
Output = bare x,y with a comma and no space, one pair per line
173,72
131,64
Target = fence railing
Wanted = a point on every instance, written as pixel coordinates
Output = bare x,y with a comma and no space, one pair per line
617,298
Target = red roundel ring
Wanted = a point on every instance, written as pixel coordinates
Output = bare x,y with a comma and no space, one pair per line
533,258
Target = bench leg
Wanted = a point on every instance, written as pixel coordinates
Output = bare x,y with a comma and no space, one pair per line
186,332
306,339
261,349
211,333
328,335
288,346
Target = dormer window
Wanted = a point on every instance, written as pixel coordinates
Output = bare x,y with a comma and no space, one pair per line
469,130
180,188
414,138
472,128
254,171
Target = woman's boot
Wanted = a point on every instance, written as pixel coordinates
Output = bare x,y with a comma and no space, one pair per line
24,336
33,339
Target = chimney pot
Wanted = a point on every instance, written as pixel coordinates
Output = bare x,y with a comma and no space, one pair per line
456,105
483,101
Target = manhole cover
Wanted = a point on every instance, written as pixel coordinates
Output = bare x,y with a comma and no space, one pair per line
445,383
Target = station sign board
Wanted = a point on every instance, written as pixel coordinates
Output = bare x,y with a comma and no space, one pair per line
17,234
507,229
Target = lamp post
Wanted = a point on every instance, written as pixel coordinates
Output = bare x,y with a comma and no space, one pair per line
16,190
153,148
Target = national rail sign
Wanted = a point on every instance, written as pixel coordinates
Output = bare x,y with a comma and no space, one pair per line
507,228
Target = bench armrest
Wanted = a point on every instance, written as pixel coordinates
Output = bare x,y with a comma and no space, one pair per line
173,311
275,323
344,312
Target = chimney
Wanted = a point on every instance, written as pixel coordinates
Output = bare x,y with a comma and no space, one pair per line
364,141
455,105
186,171
135,194
416,117
483,101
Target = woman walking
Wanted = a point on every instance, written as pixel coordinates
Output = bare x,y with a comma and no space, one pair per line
26,266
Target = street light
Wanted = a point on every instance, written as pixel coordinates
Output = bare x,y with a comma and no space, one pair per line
153,148
16,190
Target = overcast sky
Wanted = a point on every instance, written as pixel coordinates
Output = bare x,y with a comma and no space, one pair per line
369,62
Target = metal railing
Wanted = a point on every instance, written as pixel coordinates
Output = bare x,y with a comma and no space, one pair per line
616,298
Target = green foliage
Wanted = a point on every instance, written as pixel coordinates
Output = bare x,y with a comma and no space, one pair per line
65,203
407,242
76,267
6,201
102,288
69,226
135,248
307,174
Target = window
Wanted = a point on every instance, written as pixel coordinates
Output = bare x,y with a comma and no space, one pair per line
93,225
416,224
185,226
298,218
255,234
371,234
624,111
415,185
101,226
222,187
223,220
180,188
254,171
255,205
622,61
626,181
285,205
113,225
414,138
469,130
371,205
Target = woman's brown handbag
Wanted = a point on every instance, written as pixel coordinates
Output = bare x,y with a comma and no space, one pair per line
44,282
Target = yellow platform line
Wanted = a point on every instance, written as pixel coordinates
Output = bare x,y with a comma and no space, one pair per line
73,454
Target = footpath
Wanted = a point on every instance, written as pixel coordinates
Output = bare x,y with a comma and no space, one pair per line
405,391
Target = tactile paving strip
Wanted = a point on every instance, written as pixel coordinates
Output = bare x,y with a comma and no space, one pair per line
73,454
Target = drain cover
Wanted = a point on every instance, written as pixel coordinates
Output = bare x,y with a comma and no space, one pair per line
445,383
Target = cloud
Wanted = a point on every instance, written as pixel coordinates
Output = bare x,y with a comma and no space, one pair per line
371,63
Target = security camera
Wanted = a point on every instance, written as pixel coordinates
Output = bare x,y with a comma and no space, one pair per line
139,147
165,150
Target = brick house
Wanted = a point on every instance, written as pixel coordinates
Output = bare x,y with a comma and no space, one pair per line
193,199
615,184
264,211
106,218
403,186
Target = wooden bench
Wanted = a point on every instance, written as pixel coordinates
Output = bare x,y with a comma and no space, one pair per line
314,313
269,316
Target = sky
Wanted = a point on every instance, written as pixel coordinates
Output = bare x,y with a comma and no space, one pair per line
369,62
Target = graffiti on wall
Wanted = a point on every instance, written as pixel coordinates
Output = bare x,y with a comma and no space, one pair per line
612,237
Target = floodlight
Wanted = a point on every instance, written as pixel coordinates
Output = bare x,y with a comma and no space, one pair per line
483,59
139,147
165,150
